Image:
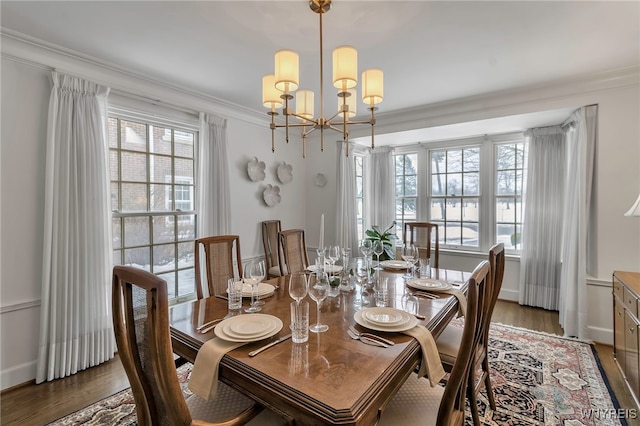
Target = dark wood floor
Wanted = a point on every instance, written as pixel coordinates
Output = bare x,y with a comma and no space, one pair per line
39,404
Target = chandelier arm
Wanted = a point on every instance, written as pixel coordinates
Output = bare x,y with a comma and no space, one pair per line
373,123
279,126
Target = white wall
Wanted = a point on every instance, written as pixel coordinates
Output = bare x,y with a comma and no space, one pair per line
25,95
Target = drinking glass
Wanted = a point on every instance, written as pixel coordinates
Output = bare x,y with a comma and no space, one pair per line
298,286
333,255
381,292
378,249
299,322
409,255
366,248
234,294
318,289
320,251
255,271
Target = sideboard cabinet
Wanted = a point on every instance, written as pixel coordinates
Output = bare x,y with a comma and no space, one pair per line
626,326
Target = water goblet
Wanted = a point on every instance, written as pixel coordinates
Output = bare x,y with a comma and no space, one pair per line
409,255
366,248
298,286
378,249
333,255
255,270
318,290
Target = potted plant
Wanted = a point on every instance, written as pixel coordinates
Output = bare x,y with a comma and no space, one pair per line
387,236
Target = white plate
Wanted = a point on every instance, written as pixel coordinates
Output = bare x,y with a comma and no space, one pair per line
223,330
429,284
327,268
263,289
250,326
395,264
384,316
360,319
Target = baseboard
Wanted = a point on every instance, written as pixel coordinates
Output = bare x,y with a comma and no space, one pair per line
601,335
510,295
17,375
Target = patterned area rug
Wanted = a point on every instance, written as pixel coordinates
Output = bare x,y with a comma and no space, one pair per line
538,379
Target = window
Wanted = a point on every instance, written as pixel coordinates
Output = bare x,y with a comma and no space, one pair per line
360,191
406,184
455,195
510,160
152,199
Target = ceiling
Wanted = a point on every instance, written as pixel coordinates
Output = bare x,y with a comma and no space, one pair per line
430,51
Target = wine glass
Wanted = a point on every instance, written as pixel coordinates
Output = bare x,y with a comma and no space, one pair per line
298,286
366,248
318,290
320,251
378,249
333,255
409,255
255,271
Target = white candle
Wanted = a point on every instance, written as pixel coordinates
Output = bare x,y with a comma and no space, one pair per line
321,240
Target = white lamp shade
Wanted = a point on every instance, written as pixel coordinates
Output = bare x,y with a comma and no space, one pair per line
304,103
351,102
372,86
287,70
635,209
345,67
270,95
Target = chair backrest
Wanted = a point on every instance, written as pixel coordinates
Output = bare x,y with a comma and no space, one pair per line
141,323
219,260
294,251
496,264
451,410
271,244
424,235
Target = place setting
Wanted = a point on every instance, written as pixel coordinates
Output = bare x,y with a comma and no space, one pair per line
427,286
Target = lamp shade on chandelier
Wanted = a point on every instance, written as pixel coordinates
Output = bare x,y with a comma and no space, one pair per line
278,89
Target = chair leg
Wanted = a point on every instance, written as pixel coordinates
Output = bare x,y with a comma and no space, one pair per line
487,383
473,401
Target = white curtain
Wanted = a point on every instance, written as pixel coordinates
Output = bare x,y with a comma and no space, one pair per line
381,192
542,234
346,223
76,330
577,258
213,188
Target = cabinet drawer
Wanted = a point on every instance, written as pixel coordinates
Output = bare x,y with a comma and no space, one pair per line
617,288
630,302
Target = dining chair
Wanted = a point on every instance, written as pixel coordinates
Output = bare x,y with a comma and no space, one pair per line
272,248
141,324
450,340
417,403
219,262
294,251
425,236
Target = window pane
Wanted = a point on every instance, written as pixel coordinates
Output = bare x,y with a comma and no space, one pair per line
454,184
170,278
409,209
133,136
184,168
453,209
470,234
136,231
506,182
410,186
115,205
113,132
116,240
117,257
134,166
164,258
161,198
186,281
411,164
471,159
399,186
186,227
471,184
437,184
161,142
138,257
160,168
471,210
163,229
454,161
134,197
185,255
438,161
183,144
114,166
437,209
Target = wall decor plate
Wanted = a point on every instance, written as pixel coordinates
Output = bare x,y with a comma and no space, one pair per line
284,172
271,195
255,169
321,180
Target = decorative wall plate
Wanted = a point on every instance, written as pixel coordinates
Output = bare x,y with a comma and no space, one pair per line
255,169
321,180
284,172
271,195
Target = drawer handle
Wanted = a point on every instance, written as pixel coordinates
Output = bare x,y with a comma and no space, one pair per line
631,330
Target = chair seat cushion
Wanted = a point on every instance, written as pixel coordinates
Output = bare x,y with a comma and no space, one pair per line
448,343
274,271
227,404
415,404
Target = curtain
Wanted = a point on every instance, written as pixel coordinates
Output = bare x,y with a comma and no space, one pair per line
381,193
346,223
76,330
213,202
542,234
577,258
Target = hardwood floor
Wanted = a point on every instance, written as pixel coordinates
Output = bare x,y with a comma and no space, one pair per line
32,404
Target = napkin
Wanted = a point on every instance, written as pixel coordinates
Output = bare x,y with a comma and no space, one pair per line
462,301
431,366
204,376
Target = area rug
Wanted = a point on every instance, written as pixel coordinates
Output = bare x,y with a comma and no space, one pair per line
538,379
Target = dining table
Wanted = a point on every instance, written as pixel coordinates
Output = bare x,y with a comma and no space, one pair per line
332,378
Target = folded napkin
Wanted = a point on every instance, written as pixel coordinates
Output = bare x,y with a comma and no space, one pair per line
462,301
431,366
204,376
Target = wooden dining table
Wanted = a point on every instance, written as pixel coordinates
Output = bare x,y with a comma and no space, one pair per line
331,379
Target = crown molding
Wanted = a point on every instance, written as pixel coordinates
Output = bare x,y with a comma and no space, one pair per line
39,53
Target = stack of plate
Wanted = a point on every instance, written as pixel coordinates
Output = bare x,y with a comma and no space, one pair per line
329,269
248,328
428,284
395,264
385,319
264,289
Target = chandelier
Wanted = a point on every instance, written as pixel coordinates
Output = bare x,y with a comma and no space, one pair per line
278,89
